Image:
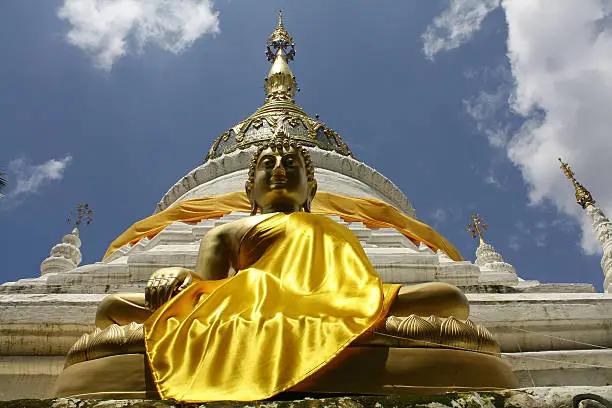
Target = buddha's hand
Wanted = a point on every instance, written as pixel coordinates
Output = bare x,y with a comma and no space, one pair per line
165,283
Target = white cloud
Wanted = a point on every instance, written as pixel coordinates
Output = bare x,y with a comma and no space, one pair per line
439,215
492,180
456,25
28,178
561,61
561,66
485,109
108,29
514,242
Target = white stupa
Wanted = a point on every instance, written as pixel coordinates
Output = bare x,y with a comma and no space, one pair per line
494,270
64,256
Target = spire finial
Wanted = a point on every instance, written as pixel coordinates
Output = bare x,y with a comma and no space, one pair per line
476,227
280,39
280,83
583,196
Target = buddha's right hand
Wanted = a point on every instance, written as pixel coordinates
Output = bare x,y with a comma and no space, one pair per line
165,283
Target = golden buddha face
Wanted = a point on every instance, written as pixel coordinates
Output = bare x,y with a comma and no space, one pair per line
280,181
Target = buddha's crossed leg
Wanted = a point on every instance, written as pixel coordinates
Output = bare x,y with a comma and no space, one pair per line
423,299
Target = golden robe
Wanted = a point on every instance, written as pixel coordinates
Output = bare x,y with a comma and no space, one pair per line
303,292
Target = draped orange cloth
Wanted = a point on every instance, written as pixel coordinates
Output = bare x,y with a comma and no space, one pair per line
372,212
305,292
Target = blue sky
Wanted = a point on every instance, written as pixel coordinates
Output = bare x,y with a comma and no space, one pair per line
442,97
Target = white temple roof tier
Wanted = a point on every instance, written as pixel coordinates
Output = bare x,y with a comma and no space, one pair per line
334,172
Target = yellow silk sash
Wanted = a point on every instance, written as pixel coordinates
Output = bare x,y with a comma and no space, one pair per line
372,212
273,324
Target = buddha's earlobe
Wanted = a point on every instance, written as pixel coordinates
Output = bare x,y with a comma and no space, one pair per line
312,190
249,191
253,207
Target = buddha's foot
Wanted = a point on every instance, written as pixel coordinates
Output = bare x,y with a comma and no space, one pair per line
432,331
110,341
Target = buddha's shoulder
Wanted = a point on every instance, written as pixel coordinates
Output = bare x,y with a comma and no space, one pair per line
238,228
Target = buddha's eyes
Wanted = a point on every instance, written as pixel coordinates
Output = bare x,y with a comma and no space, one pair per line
290,162
268,162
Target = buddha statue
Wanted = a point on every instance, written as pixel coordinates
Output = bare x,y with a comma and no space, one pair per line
281,181
283,300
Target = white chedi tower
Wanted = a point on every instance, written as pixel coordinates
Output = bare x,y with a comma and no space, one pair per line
65,256
493,269
601,224
603,231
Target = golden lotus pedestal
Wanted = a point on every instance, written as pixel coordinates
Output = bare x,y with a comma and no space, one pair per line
111,363
358,370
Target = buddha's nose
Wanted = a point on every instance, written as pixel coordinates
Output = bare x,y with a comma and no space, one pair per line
279,170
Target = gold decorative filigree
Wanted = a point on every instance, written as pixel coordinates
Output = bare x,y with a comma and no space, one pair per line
257,123
293,121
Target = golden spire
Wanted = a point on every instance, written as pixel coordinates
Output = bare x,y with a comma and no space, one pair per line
583,196
280,35
280,83
476,227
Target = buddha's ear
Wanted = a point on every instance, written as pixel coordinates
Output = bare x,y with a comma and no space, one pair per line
249,194
312,190
253,208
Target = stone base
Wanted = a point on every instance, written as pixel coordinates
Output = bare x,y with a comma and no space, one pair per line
554,397
559,368
358,370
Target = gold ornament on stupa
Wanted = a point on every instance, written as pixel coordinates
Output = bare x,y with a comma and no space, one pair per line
280,38
476,227
583,196
279,113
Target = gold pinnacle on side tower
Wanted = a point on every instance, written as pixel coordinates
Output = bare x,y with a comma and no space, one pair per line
476,227
583,196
